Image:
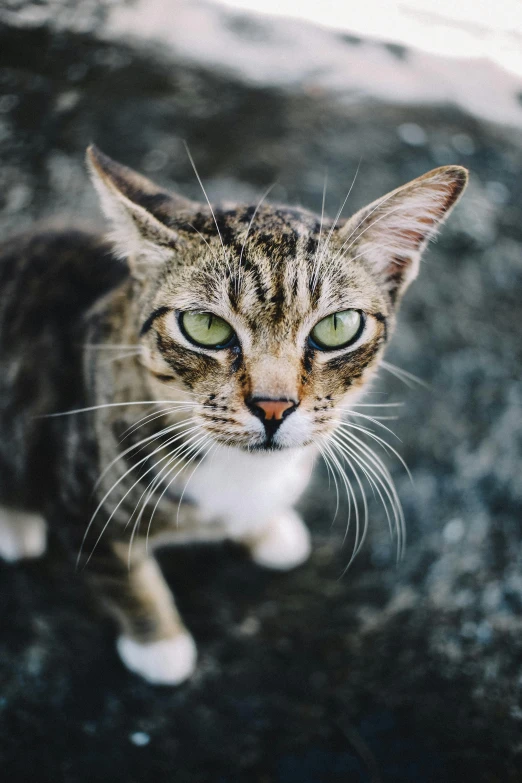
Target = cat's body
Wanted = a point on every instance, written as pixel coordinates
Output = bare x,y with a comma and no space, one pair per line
186,440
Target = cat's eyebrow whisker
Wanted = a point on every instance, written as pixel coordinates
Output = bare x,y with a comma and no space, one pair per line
227,261
315,268
334,224
339,257
365,217
404,375
190,225
263,197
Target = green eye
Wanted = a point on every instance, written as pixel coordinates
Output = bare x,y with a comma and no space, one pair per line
206,329
337,330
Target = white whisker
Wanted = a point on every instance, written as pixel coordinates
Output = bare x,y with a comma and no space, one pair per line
358,543
102,501
383,442
404,375
369,473
105,405
122,499
227,262
178,457
349,492
376,405
375,420
171,456
204,457
197,446
332,473
365,217
152,416
148,439
383,477
314,266
332,229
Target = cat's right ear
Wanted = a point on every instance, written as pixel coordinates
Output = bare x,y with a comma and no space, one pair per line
392,233
139,212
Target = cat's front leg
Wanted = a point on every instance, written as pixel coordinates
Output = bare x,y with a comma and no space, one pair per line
153,642
282,544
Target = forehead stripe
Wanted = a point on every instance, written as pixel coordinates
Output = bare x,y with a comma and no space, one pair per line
152,317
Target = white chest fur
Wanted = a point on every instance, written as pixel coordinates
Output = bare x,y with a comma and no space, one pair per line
245,489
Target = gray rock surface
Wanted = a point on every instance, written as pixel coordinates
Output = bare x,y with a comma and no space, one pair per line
409,672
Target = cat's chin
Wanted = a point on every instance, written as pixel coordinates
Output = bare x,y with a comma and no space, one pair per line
268,446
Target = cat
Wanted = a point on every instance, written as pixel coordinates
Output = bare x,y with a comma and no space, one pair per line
190,366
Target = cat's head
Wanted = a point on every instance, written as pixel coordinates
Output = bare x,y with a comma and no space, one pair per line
269,319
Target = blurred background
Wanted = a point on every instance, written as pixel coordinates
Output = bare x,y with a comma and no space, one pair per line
409,672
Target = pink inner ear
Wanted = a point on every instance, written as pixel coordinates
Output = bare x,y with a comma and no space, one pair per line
414,238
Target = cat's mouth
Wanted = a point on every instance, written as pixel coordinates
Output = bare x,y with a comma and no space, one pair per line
285,426
271,442
247,444
268,445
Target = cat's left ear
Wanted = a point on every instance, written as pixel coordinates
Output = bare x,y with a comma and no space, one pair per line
138,210
391,233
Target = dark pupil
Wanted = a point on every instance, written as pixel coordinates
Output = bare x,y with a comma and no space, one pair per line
335,321
210,317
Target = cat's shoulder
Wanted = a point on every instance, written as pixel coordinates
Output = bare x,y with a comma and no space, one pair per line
53,240
54,257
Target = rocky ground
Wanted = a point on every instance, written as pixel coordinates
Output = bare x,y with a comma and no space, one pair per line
388,673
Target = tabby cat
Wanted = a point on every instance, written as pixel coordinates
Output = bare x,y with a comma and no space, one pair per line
202,358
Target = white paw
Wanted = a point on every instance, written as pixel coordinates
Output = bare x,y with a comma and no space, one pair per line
22,534
284,544
167,662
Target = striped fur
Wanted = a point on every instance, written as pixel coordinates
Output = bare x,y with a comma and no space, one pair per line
166,433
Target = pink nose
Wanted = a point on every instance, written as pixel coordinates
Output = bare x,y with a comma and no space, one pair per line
273,409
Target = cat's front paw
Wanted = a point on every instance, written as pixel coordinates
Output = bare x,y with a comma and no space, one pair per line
167,662
283,544
22,535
